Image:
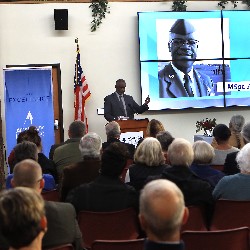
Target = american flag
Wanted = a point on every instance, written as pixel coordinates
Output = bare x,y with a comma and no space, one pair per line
81,90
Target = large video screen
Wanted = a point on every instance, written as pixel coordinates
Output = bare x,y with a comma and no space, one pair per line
195,59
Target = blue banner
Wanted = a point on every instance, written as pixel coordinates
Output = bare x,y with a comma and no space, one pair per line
29,102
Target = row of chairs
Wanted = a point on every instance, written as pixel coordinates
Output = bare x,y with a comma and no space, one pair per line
124,225
228,214
229,227
233,239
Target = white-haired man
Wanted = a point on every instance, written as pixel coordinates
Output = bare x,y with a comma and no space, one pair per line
195,190
113,132
162,213
236,187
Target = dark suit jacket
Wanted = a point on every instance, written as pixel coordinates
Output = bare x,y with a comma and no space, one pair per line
79,173
230,165
139,173
62,227
47,165
113,107
104,194
195,190
171,86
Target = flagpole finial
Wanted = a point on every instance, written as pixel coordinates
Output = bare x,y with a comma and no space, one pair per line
76,40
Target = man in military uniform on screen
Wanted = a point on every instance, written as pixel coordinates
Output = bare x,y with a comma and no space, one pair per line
178,78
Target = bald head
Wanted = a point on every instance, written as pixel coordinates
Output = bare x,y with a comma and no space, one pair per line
162,211
28,173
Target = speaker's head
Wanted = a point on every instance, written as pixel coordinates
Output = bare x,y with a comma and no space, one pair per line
61,19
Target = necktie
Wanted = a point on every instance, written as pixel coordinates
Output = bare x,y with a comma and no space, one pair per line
123,104
187,85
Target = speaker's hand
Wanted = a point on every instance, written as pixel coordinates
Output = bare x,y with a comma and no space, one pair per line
147,100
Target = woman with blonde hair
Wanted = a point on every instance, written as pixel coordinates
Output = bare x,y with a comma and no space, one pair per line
235,125
149,161
201,166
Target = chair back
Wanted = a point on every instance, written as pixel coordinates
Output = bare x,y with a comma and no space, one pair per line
118,244
61,247
217,240
52,195
230,214
196,220
118,225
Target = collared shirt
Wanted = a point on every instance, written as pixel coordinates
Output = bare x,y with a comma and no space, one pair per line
180,75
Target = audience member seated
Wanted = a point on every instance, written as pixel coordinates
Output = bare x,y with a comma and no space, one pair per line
236,187
153,128
195,190
32,135
222,134
165,139
86,170
62,225
235,125
113,132
11,157
69,152
230,166
149,161
28,150
162,213
107,192
22,218
203,155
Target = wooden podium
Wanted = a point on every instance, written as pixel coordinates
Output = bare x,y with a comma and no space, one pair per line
133,125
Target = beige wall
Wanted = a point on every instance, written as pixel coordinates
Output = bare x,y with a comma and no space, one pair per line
27,36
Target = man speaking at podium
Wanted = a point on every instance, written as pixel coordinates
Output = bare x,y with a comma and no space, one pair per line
119,106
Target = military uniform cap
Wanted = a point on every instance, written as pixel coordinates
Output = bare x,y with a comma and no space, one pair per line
182,27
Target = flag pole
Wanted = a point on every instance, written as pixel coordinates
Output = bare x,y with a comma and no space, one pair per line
81,89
